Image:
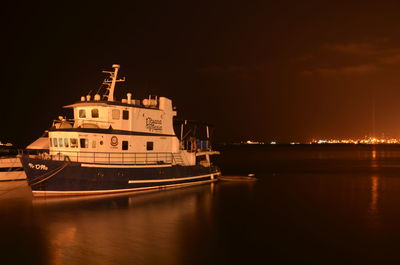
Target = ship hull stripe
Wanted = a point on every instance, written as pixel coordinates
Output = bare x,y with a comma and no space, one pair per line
95,192
124,166
166,180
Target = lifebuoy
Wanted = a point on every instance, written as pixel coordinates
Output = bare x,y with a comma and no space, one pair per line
114,141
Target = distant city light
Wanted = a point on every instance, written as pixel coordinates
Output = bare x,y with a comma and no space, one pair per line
252,142
6,144
370,140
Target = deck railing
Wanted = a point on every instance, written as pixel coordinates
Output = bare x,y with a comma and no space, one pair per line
114,158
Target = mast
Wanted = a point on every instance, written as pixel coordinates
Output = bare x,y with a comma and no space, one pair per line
111,81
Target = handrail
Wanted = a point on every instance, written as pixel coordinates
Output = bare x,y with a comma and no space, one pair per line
81,119
110,158
75,123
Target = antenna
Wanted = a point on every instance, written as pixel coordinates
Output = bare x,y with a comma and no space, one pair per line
111,81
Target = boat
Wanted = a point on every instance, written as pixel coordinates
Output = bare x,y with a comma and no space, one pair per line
119,146
10,164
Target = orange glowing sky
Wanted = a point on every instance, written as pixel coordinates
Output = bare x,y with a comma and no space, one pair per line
287,71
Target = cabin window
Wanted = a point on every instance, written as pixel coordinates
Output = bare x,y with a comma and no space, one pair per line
125,114
51,142
66,142
125,145
82,113
84,143
60,142
95,113
74,142
55,142
115,114
149,146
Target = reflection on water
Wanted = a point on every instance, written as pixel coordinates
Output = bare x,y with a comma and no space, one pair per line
124,229
374,183
374,158
374,194
373,154
310,205
64,238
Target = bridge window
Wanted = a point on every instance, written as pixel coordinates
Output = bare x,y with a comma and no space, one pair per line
55,142
66,142
74,142
125,114
124,145
115,114
149,146
60,142
95,113
82,113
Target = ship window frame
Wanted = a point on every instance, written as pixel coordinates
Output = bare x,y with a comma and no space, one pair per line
66,142
55,142
60,142
95,113
74,142
83,142
115,114
125,114
51,142
149,146
82,113
125,145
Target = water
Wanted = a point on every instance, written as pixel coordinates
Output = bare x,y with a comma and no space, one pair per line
310,205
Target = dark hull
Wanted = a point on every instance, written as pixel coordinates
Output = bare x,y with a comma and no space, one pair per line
52,177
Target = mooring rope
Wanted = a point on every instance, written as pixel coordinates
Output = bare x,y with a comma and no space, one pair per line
51,174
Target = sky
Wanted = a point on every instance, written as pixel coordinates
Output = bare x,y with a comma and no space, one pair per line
262,70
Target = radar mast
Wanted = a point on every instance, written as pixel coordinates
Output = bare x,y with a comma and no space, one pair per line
111,81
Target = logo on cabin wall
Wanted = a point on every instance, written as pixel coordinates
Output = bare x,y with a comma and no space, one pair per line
114,141
153,125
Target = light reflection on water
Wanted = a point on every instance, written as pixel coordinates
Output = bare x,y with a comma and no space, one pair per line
146,228
374,183
143,228
313,205
374,194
